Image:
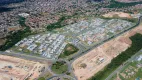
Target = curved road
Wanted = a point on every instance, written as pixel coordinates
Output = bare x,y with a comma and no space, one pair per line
60,75
76,56
88,50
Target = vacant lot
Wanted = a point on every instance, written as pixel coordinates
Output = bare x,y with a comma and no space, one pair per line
117,15
59,67
12,68
69,50
104,53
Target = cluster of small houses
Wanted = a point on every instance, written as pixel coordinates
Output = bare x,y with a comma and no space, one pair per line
98,29
85,25
131,71
47,45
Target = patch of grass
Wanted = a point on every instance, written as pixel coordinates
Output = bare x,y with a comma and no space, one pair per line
41,78
69,50
59,67
114,77
110,33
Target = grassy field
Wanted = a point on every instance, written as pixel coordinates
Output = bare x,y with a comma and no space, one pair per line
41,78
69,50
59,67
114,77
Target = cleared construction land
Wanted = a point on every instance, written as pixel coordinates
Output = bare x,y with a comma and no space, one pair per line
12,68
103,54
117,14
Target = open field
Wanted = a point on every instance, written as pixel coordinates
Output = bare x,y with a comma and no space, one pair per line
59,67
94,60
13,68
117,14
116,46
68,50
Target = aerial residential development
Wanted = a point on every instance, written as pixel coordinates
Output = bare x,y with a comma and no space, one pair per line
70,39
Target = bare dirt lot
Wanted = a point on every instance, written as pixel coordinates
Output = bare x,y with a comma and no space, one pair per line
98,58
128,1
12,68
117,14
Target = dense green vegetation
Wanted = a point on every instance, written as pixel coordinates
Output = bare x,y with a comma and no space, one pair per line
120,59
69,50
59,67
115,4
57,24
15,37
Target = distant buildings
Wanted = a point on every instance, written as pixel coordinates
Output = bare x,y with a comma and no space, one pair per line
139,58
25,15
96,30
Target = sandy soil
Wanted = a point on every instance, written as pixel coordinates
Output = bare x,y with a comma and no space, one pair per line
107,51
117,14
18,69
128,1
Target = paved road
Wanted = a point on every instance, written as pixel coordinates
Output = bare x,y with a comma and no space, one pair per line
80,53
102,42
122,66
29,57
88,50
24,56
60,75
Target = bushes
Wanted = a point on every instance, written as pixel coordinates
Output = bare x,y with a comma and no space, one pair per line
15,37
69,50
116,62
59,67
57,24
41,78
115,4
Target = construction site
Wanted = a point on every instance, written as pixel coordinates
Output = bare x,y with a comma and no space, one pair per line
13,68
98,58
